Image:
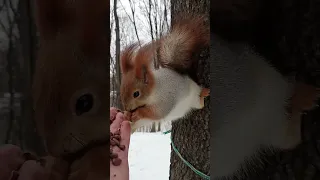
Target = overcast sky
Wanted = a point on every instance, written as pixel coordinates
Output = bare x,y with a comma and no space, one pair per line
123,12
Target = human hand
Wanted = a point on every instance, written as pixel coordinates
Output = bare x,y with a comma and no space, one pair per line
11,159
14,165
119,121
32,170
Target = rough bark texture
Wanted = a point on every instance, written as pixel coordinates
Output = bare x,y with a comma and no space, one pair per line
302,163
287,32
191,135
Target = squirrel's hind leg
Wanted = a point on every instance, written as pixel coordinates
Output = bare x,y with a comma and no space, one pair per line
205,92
304,98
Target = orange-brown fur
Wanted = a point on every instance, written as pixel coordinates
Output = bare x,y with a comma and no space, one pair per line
126,63
304,97
147,112
196,36
175,50
204,93
133,75
72,60
143,59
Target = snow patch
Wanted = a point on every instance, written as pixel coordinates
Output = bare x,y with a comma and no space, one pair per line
149,156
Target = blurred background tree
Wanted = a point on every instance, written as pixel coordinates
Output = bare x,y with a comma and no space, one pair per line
133,21
18,45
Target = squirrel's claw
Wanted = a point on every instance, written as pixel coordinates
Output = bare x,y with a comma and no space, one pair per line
205,92
135,116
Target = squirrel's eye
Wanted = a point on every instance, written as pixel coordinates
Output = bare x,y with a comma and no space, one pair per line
84,104
136,94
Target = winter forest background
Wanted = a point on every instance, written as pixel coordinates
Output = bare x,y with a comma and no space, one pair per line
134,21
18,44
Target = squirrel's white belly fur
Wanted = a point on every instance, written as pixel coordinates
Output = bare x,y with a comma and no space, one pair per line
251,118
190,100
182,95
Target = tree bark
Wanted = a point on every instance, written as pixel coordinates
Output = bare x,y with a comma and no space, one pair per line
149,18
117,60
191,135
28,39
9,68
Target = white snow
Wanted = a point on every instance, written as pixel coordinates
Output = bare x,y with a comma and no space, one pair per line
149,156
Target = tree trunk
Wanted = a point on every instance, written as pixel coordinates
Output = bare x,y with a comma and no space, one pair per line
153,127
191,135
27,31
9,68
117,60
150,20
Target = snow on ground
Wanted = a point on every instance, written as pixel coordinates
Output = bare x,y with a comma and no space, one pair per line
149,156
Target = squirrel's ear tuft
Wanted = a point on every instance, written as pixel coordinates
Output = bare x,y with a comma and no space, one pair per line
145,74
189,33
142,73
143,61
126,58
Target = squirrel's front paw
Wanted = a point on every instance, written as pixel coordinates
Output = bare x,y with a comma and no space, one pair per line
135,116
304,97
127,115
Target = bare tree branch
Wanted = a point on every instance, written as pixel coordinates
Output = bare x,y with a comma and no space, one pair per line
132,6
117,60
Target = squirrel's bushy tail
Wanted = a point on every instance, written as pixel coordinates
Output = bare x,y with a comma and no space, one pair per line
188,35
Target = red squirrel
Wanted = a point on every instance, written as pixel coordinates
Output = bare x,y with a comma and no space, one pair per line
255,110
70,85
166,93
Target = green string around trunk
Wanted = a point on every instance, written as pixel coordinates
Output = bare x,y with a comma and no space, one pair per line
204,176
